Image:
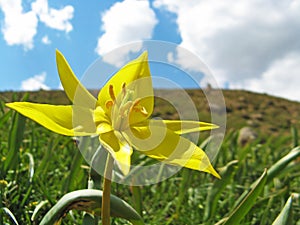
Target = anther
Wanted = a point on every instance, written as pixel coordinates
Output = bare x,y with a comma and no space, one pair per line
144,111
124,89
109,104
111,92
138,108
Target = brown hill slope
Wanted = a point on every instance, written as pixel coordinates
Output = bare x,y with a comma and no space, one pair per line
268,115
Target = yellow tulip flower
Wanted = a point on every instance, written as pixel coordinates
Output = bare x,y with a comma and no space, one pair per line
121,118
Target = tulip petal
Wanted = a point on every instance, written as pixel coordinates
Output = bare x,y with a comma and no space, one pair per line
102,121
164,145
137,78
186,126
120,150
75,91
58,119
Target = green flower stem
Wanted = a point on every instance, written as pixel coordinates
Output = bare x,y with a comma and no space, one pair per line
105,210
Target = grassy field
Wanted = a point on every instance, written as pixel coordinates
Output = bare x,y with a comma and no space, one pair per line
38,167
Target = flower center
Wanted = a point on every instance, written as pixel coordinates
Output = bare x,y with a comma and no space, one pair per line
123,106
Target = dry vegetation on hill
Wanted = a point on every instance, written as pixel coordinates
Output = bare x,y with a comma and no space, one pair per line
266,114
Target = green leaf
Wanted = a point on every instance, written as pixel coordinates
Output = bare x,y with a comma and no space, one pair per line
14,141
76,174
89,200
243,208
30,166
89,219
295,137
219,185
10,214
278,167
5,117
137,198
286,215
37,209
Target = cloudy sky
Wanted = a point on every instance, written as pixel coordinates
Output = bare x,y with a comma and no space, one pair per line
246,44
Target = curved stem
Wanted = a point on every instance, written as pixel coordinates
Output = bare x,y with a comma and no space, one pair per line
105,210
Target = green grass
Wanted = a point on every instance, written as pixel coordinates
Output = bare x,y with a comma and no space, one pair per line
45,166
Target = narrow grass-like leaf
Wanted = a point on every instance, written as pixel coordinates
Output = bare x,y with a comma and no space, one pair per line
278,167
31,166
11,215
137,198
286,215
15,139
98,162
5,117
38,208
52,147
89,200
185,183
76,173
2,106
216,189
89,219
243,208
295,137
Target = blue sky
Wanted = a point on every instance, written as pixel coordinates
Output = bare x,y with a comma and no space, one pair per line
252,45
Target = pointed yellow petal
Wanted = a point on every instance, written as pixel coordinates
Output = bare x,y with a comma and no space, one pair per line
137,79
58,119
102,121
186,126
75,91
119,149
163,144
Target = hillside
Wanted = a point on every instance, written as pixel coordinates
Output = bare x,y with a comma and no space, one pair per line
267,115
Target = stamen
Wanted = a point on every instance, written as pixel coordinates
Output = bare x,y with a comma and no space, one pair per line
138,108
124,89
144,111
124,109
111,92
136,102
109,104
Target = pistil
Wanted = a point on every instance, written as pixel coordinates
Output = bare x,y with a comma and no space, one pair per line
121,108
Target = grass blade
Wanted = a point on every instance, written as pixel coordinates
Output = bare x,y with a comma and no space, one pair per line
218,186
11,215
5,118
31,166
286,215
243,208
278,167
89,219
15,139
295,137
89,200
37,209
137,198
76,173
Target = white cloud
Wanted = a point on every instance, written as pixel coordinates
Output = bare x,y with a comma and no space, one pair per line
34,83
125,22
20,28
54,18
280,79
238,40
46,40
